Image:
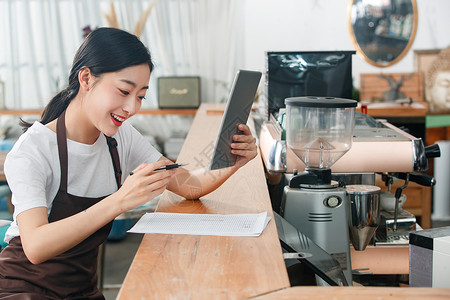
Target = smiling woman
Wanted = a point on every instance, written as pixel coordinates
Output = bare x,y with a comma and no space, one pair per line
67,205
54,200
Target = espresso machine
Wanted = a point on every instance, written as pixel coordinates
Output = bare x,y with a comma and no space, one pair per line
319,130
309,137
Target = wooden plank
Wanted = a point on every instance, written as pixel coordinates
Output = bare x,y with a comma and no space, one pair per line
437,134
381,259
390,109
18,112
206,267
168,111
356,293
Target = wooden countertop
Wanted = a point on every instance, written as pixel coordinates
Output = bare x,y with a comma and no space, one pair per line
356,293
206,267
211,267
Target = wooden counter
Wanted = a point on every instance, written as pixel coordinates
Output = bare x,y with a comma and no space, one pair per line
210,267
356,293
213,267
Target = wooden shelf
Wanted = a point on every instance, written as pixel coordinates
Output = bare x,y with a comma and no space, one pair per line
167,111
18,112
184,112
415,109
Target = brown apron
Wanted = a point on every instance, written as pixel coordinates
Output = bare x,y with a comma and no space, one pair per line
72,274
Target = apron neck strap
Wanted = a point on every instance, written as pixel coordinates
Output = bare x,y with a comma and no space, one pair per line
112,144
62,149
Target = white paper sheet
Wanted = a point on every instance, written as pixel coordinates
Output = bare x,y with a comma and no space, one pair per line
202,224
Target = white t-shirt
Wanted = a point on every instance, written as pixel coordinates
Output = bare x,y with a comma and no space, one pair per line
33,173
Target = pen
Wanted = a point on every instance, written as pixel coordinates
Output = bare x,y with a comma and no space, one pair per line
168,167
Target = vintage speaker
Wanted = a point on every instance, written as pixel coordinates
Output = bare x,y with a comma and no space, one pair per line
179,92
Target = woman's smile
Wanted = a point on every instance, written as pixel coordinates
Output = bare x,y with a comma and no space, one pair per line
117,120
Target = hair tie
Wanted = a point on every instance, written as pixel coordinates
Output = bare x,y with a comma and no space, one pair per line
71,92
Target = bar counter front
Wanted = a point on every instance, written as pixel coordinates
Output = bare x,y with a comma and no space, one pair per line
170,266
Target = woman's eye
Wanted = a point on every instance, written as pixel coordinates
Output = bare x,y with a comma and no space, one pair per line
124,92
141,97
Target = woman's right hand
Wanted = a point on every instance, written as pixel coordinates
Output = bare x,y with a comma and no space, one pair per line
144,185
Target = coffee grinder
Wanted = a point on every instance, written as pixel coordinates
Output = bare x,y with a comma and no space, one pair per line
319,130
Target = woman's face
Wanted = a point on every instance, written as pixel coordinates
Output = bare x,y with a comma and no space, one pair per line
116,96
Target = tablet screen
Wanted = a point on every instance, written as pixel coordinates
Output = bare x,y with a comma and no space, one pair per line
237,111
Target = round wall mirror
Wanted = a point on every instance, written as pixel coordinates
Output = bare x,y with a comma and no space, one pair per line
382,30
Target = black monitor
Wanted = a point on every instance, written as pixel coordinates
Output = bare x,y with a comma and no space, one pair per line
307,73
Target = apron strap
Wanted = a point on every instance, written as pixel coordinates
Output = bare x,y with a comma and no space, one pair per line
62,150
112,144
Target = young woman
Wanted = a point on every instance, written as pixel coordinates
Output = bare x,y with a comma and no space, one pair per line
65,172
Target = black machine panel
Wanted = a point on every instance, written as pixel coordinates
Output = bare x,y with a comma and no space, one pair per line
307,73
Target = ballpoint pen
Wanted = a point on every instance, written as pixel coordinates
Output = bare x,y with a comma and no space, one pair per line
168,167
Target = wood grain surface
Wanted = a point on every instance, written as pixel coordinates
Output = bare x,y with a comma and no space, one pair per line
356,293
205,267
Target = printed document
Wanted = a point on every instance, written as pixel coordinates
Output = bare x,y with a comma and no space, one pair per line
202,224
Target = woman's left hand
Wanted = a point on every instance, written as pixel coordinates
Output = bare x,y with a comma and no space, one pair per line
244,146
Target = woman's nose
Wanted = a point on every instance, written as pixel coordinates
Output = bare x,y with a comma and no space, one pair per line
130,106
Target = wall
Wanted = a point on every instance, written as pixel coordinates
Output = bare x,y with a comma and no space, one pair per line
310,25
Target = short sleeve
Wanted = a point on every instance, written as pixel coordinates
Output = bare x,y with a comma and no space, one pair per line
27,181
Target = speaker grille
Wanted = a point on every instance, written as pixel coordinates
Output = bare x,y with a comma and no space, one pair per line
179,92
320,217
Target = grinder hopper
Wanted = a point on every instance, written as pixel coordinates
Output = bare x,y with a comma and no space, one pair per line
319,129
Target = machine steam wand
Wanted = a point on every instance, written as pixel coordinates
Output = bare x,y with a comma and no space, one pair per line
398,194
421,179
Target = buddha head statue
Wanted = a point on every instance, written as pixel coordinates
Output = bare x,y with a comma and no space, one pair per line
438,83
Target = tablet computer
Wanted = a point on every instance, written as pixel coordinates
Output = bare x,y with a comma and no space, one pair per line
238,108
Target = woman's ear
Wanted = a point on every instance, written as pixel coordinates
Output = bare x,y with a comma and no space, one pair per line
85,77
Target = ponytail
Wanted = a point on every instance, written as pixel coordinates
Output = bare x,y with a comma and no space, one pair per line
54,108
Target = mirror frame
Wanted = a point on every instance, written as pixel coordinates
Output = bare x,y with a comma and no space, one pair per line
361,53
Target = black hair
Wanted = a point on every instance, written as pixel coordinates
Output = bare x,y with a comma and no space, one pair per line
104,50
